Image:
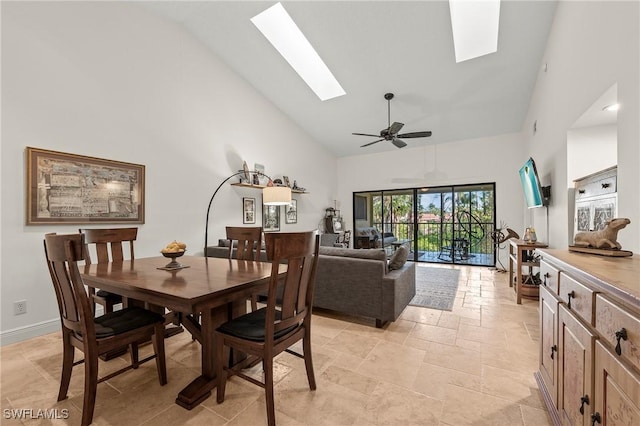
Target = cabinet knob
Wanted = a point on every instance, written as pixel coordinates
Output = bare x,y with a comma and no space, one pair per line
546,275
620,334
581,191
605,185
570,295
554,348
583,400
595,418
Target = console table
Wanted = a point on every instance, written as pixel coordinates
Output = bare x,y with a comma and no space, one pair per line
518,257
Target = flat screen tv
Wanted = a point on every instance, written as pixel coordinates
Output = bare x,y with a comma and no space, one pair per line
534,194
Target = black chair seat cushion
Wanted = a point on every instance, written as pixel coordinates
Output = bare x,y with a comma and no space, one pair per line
251,326
108,295
124,320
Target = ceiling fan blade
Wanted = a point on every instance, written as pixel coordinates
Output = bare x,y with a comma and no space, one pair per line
371,143
365,134
395,127
397,142
415,135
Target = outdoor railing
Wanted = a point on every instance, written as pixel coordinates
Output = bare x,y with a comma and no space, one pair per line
434,236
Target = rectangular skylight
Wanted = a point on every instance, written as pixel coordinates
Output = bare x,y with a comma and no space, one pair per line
475,27
278,27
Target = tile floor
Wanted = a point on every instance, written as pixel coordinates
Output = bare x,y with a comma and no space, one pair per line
471,366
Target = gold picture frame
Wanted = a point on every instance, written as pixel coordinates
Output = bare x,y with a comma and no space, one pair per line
65,188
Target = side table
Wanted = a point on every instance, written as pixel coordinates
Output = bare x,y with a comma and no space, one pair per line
518,257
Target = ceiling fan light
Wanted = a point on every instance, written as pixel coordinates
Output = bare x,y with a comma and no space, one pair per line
475,27
283,33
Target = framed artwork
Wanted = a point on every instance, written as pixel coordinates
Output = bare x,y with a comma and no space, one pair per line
291,212
248,210
270,218
259,169
67,188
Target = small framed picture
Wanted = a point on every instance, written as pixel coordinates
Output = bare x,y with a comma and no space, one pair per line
270,218
248,210
291,212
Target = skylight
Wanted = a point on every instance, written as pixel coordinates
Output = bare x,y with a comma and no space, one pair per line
278,27
475,27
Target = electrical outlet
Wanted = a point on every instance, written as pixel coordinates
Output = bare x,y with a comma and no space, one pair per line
20,307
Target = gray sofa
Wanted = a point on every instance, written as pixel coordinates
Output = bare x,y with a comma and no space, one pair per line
370,237
357,282
222,250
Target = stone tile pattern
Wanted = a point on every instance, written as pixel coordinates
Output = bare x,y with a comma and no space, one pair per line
471,366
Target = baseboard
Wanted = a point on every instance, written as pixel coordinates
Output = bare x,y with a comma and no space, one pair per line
29,331
33,330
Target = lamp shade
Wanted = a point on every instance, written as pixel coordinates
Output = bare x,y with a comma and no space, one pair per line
276,195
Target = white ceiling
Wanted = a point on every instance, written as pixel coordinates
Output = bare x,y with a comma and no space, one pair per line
374,47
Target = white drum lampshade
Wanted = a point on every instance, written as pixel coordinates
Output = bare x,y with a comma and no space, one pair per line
276,195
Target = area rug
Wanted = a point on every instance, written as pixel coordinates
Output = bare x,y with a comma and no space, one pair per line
435,288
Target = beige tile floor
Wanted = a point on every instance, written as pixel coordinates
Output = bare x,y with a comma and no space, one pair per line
471,366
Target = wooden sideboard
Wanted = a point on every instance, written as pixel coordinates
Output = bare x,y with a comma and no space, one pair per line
589,372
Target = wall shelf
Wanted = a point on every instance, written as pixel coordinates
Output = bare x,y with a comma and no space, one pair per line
249,185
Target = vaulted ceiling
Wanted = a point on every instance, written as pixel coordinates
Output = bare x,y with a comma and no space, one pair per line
375,47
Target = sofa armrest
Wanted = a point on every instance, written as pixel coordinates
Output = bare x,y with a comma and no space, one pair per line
398,288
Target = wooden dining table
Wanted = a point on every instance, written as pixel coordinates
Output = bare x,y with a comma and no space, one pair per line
212,289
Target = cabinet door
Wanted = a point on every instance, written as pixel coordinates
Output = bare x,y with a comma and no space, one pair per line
549,343
617,392
575,381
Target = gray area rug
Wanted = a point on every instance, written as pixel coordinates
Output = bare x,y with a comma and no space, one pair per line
435,288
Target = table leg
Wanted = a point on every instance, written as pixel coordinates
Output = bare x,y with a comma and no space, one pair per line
200,388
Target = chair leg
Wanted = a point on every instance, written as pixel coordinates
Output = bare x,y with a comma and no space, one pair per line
158,347
268,387
308,361
68,352
133,349
90,386
221,374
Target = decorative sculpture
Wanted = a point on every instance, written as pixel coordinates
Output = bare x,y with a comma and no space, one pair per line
603,239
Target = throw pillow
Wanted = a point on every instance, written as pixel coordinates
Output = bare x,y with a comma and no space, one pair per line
399,258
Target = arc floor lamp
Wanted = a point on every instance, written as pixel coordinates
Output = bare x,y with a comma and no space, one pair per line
271,196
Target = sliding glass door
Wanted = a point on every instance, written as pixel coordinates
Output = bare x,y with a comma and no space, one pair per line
449,224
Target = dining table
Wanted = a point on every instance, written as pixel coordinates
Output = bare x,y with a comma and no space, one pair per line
205,291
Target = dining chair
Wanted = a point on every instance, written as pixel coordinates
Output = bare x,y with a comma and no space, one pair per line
247,242
109,247
95,335
264,333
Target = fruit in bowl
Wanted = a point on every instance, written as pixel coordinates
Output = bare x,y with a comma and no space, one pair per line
174,249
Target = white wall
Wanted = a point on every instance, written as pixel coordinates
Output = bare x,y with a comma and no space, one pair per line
495,159
591,149
110,80
591,46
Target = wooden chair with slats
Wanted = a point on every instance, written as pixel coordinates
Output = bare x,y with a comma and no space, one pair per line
110,246
246,243
264,333
91,335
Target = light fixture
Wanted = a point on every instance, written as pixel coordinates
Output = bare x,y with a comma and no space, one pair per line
475,27
283,33
612,107
271,196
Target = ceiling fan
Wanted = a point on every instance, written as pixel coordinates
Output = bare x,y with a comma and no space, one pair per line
391,132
